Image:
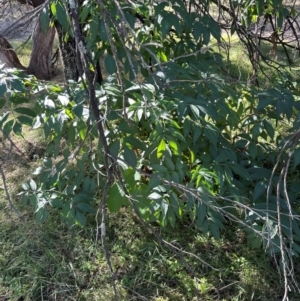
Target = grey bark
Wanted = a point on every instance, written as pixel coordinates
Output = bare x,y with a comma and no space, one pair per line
8,56
71,64
41,53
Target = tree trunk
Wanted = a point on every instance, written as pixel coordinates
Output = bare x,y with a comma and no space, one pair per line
8,56
69,55
40,61
41,53
41,44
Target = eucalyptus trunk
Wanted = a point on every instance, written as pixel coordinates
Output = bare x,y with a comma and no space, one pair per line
41,53
69,55
8,56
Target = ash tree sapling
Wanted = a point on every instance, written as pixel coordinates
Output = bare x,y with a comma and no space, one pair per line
165,133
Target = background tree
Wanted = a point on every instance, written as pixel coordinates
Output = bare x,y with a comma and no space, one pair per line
254,23
42,39
8,56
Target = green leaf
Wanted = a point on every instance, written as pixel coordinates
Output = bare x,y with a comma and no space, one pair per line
222,157
205,227
78,110
217,219
255,242
3,118
214,230
296,157
38,171
215,29
130,178
17,85
82,132
93,186
55,88
94,29
110,64
134,142
44,19
102,32
130,156
200,214
162,56
174,204
206,36
49,103
175,177
17,99
161,148
264,102
86,184
3,89
114,148
47,162
84,12
25,120
169,163
32,185
130,19
56,203
37,122
25,186
187,126
80,218
8,127
41,215
195,111
240,171
116,198
84,207
154,182
259,189
260,7
17,128
269,128
2,103
174,146
296,249
71,136
211,135
25,111
53,8
82,197
197,30
154,196
164,208
171,218
159,168
61,16
252,148
258,173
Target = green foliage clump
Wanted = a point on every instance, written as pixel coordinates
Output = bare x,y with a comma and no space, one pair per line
173,138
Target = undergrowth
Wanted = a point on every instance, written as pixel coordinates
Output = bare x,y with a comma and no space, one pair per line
51,262
48,261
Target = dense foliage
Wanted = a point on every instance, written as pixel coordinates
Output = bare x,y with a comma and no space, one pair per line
179,138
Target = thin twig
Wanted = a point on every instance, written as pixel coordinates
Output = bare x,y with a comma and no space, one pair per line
96,112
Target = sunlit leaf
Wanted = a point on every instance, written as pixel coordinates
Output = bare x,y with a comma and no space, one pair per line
161,148
32,184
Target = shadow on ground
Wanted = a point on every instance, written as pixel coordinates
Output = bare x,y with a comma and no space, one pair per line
51,262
